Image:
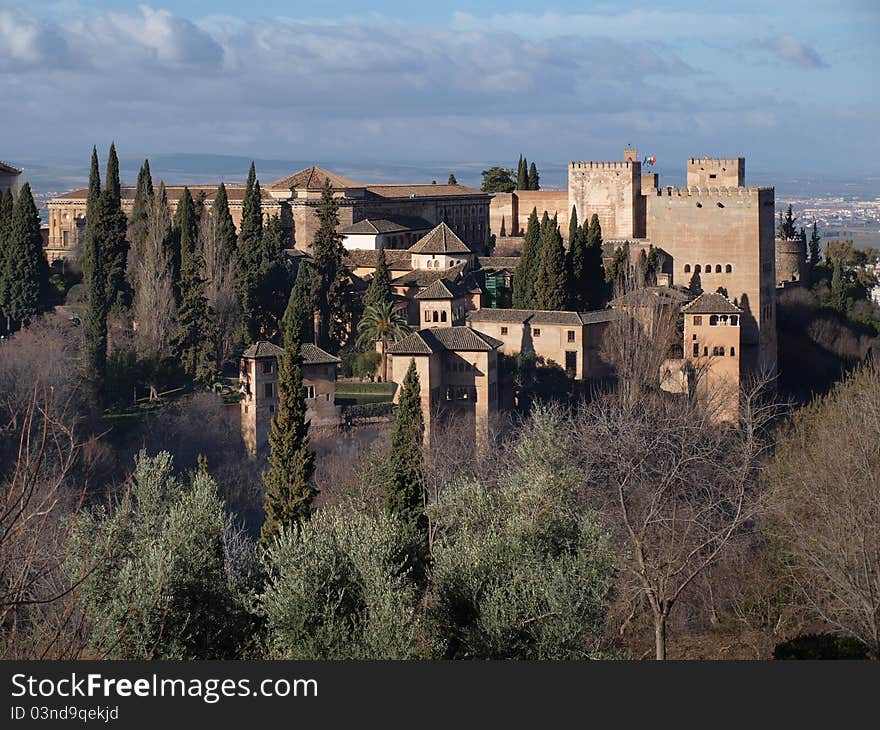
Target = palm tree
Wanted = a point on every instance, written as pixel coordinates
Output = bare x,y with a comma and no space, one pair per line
380,322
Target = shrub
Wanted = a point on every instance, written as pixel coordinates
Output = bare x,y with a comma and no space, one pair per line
820,646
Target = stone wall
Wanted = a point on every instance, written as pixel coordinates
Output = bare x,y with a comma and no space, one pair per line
611,190
716,171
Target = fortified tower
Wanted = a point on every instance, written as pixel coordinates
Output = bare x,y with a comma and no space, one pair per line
611,190
728,172
791,260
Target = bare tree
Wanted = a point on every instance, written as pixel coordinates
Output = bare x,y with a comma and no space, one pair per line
823,505
154,299
219,274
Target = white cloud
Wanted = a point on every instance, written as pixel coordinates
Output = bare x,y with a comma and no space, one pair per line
788,48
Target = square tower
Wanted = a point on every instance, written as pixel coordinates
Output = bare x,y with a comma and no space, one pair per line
716,172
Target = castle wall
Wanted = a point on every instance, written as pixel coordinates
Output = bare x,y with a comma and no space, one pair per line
730,232
503,207
729,172
611,190
791,260
553,202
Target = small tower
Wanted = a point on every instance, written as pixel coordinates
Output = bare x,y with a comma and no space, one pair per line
716,172
630,154
712,345
259,386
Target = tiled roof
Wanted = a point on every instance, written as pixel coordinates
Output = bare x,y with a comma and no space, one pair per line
441,240
314,355
9,169
262,348
390,224
498,262
426,277
711,304
441,289
422,191
235,193
437,339
366,258
312,178
311,354
539,316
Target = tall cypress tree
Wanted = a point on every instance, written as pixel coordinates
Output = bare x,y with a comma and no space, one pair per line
838,288
534,178
527,269
194,316
331,276
289,488
551,284
7,205
594,275
249,258
225,226
113,230
578,281
27,274
95,282
137,222
572,226
380,284
405,494
815,245
522,176
786,228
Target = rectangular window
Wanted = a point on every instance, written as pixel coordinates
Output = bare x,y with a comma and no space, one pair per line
308,391
504,330
268,389
571,335
696,349
698,321
732,351
570,363
267,367
536,333
427,316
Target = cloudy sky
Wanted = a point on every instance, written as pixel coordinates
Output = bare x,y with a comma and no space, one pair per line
785,83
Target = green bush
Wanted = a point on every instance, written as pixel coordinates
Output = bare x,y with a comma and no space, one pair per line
360,364
821,646
520,571
339,588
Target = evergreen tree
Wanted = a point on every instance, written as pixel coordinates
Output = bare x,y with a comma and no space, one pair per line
527,269
332,290
572,226
7,205
815,246
113,230
503,231
95,283
27,273
786,228
225,226
522,175
551,285
380,285
498,180
534,179
594,276
619,269
289,488
194,318
452,180
137,221
577,264
652,266
249,259
838,289
405,495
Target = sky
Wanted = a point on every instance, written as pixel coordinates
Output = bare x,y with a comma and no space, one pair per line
790,85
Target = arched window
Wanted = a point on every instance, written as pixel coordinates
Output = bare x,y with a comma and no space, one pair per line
708,268
717,268
713,320
705,351
697,269
734,320
728,269
687,268
732,351
443,316
721,350
436,317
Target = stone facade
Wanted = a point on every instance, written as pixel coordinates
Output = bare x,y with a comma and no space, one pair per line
258,376
728,172
611,190
10,177
791,261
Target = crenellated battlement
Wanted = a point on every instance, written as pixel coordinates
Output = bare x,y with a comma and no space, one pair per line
602,165
716,161
696,191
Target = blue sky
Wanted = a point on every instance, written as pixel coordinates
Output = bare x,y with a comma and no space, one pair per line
788,84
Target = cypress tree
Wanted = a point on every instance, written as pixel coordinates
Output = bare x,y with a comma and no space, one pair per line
405,495
194,316
27,274
534,179
452,180
503,231
113,229
137,222
527,269
7,205
331,277
572,226
225,226
838,289
95,281
594,276
786,228
551,284
249,259
578,281
289,488
380,284
619,266
814,246
522,177
652,266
